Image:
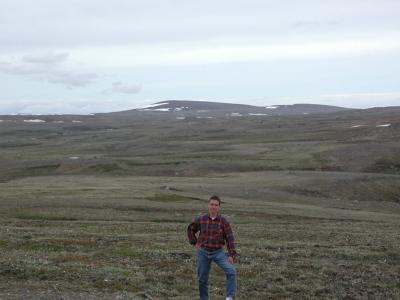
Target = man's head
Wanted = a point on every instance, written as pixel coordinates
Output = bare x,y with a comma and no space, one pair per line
214,204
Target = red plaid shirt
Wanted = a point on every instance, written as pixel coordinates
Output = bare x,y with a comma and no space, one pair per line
213,233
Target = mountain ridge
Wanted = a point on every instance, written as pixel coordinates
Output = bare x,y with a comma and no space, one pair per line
218,109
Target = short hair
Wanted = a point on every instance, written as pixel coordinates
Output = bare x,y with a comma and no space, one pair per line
215,197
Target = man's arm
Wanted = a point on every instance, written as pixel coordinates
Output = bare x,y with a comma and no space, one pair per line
230,240
192,229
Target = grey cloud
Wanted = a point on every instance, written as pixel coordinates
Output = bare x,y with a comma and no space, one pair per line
119,87
13,68
44,67
45,58
89,23
70,79
313,25
68,106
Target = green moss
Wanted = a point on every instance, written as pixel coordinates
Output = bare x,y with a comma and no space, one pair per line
128,251
3,243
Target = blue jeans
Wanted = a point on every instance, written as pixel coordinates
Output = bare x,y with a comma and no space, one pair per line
204,259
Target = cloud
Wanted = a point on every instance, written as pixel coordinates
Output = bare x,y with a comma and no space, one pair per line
46,67
251,51
92,23
70,79
118,87
45,58
16,68
307,25
68,106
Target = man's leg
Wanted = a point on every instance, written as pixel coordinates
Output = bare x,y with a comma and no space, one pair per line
221,260
203,270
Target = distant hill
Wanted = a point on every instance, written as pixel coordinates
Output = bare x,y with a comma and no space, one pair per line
185,138
204,109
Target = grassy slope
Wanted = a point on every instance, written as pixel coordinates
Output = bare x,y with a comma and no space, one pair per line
98,228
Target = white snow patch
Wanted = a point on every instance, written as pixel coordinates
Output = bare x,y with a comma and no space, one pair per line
26,114
74,157
156,109
76,121
58,121
305,113
181,118
384,125
153,105
356,126
204,117
236,114
251,114
35,121
181,108
161,109
271,107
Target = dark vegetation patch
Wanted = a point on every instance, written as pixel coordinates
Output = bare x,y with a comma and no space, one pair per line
44,217
105,168
162,197
388,164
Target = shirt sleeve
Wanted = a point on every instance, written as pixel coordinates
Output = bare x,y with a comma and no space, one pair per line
192,229
229,238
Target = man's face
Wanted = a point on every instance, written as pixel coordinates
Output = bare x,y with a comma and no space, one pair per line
213,207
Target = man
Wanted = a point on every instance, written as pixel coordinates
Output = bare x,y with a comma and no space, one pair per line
214,232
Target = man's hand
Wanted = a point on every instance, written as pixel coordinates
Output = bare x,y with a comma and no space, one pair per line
231,260
197,246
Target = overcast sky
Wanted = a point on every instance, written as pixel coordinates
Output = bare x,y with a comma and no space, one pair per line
86,56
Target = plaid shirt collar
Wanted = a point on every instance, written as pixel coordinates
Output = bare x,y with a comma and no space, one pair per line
217,217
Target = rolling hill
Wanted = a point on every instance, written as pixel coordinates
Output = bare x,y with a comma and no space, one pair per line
204,109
